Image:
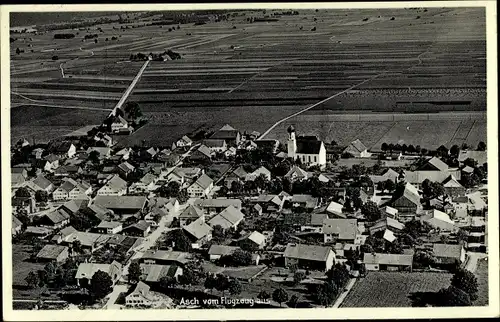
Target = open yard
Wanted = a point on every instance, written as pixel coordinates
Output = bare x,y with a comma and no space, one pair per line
252,74
393,289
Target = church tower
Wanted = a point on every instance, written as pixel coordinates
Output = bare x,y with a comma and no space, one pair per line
292,143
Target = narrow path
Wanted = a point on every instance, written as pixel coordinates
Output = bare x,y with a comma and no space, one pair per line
65,106
316,104
130,88
342,296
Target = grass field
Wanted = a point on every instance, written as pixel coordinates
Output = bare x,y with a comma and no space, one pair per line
392,289
482,279
252,74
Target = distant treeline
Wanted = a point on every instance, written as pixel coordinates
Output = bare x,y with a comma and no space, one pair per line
64,36
91,36
156,56
286,13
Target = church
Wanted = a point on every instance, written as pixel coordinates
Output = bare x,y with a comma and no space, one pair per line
308,149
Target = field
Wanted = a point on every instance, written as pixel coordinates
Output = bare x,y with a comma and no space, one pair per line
482,279
253,74
427,130
393,289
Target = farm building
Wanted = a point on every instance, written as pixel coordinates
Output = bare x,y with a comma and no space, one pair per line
53,253
125,169
56,219
183,142
480,156
190,214
388,262
215,145
386,223
109,227
201,154
64,149
314,223
164,257
335,209
452,187
252,241
408,204
309,256
118,124
296,173
389,174
198,232
141,296
215,206
357,149
40,183
434,164
71,189
115,186
269,203
448,253
17,226
139,229
239,174
228,218
439,220
201,187
306,202
308,150
86,271
152,273
390,212
340,230
122,205
104,152
229,134
260,171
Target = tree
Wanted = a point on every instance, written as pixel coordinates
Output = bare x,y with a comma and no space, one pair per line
263,295
167,281
41,196
181,241
76,247
94,157
466,281
218,233
384,147
389,185
50,268
22,192
100,285
182,196
442,151
481,146
242,257
32,280
210,282
236,187
170,190
234,287
454,150
280,296
371,211
134,273
453,296
222,283
325,294
362,270
133,110
298,276
261,182
411,149
293,301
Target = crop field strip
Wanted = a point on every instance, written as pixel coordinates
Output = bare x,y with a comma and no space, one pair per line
392,289
269,68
